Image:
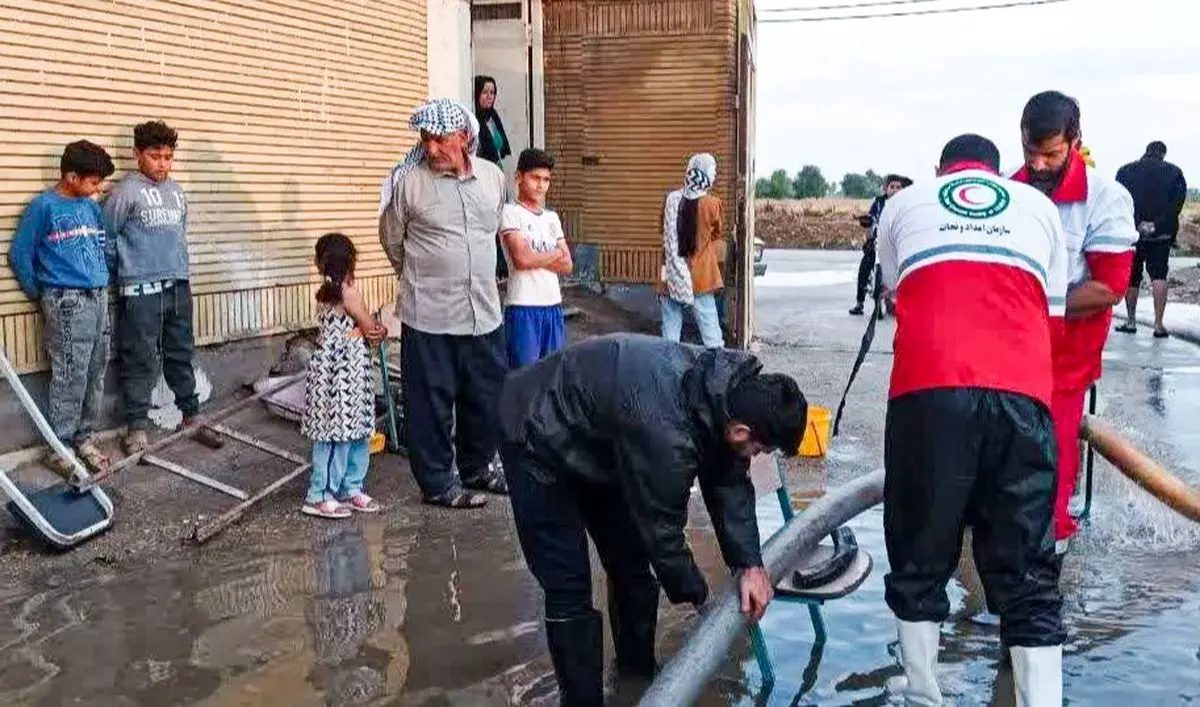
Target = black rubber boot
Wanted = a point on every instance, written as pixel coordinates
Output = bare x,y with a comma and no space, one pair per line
633,617
577,651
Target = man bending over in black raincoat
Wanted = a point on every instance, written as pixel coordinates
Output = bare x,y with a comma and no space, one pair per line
605,438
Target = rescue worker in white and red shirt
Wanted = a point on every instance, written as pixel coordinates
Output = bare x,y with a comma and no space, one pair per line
978,264
1097,216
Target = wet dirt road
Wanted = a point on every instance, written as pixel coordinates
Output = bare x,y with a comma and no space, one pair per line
419,606
1131,583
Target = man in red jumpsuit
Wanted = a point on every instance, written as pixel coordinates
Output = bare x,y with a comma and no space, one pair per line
1097,216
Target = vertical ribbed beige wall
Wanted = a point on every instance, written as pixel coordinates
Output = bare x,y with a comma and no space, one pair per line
633,87
290,113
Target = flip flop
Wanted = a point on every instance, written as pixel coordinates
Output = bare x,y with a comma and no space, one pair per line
1162,334
362,503
326,509
1127,328
92,457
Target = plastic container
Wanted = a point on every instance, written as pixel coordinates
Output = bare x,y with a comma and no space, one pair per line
816,432
377,443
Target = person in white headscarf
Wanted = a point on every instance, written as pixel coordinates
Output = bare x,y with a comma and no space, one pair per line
439,217
693,240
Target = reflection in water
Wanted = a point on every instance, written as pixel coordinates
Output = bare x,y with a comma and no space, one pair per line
311,623
1154,388
343,614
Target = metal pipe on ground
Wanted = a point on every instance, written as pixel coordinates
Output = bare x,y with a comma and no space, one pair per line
683,678
1144,471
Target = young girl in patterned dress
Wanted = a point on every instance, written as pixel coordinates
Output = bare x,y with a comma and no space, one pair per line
339,414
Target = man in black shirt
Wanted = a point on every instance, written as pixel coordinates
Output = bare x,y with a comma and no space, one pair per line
892,184
1158,190
605,439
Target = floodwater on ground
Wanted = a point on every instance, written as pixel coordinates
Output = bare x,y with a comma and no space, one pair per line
1131,583
420,606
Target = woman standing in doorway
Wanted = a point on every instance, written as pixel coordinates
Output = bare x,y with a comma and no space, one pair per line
493,147
692,242
493,141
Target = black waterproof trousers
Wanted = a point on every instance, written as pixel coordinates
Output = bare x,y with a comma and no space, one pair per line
554,519
985,458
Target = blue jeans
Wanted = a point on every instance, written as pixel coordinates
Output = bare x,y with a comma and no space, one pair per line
704,309
339,470
77,339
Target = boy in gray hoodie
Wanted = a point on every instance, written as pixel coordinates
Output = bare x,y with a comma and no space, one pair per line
146,218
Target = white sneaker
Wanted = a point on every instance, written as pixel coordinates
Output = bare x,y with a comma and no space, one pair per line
918,654
1037,676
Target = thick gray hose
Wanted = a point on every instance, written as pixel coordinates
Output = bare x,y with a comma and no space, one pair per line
683,679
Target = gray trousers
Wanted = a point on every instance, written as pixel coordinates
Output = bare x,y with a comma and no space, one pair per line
153,328
77,339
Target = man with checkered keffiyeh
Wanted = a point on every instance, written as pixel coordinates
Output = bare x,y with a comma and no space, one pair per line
439,216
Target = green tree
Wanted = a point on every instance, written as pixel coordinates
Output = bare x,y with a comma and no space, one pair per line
810,183
858,186
777,186
876,180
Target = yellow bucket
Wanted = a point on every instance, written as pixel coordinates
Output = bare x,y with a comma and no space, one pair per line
816,432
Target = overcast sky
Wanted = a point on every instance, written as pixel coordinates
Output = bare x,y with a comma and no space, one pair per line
887,93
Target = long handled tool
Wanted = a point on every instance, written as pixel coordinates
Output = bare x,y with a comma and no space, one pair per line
57,514
393,437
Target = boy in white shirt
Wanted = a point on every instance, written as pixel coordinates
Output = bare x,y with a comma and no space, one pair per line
537,253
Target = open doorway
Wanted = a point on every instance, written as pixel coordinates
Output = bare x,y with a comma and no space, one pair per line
503,42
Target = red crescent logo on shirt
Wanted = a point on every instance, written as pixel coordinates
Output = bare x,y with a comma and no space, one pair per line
962,195
974,197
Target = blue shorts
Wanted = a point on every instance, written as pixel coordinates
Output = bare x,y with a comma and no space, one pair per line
533,333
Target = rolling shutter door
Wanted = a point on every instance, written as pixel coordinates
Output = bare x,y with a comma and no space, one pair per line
645,84
290,112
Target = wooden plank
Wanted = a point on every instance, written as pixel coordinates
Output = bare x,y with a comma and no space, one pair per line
206,420
195,476
204,533
258,443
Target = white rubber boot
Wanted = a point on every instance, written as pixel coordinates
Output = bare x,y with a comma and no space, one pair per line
1037,676
919,653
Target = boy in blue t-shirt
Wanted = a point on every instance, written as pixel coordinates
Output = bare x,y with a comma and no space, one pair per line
57,255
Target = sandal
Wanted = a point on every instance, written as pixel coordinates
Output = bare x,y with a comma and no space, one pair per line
59,465
458,499
1162,334
490,482
362,503
92,457
326,509
1127,328
135,442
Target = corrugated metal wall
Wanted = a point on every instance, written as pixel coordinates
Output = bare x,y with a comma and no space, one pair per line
290,113
633,87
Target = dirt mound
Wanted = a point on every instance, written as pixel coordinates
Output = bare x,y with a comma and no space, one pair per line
810,223
1189,230
830,224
